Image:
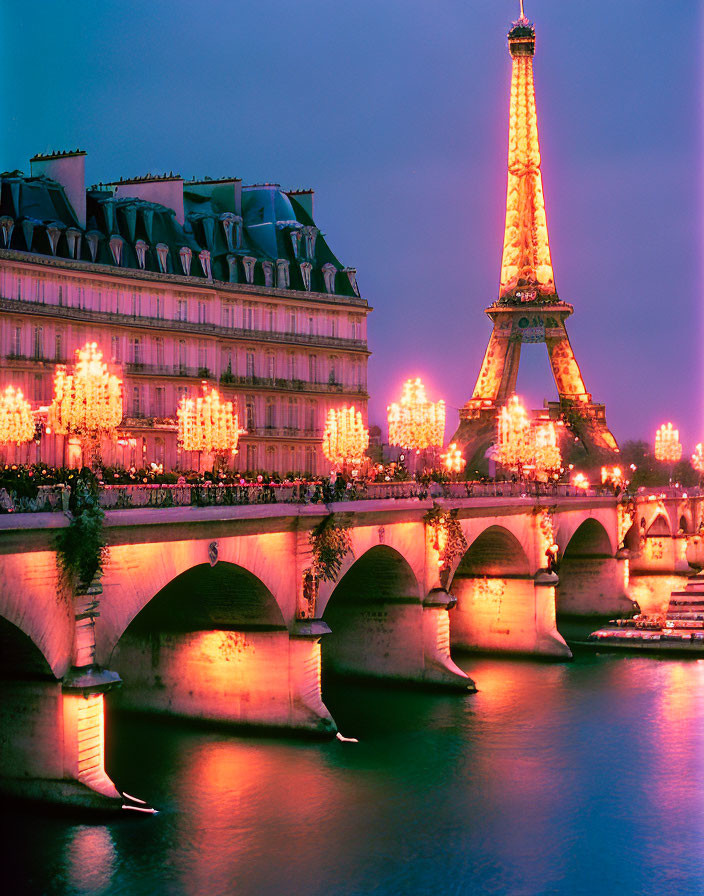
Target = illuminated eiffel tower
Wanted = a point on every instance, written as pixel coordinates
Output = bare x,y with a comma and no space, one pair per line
528,308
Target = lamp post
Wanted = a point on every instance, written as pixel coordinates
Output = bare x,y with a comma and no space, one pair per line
208,425
415,423
346,438
514,448
668,448
698,459
87,403
16,421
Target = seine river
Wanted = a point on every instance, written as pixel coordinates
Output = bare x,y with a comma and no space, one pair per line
572,778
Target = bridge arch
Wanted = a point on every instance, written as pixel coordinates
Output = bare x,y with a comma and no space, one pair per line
659,527
374,613
20,658
495,594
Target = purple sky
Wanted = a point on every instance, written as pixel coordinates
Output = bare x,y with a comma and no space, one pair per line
397,114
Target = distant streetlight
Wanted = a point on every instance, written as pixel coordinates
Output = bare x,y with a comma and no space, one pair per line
346,438
668,448
16,422
698,459
452,460
88,402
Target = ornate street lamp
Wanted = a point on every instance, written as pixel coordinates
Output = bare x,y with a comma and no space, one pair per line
452,460
346,438
515,448
547,453
698,459
88,402
416,423
16,421
208,425
668,448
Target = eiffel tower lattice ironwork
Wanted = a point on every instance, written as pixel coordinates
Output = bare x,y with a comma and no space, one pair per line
528,308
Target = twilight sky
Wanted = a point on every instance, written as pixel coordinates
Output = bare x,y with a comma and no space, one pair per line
396,112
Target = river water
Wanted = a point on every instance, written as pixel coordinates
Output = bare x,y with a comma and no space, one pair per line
555,778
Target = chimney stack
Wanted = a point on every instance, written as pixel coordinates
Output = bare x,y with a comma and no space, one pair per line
68,169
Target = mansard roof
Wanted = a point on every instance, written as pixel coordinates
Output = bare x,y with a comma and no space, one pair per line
249,234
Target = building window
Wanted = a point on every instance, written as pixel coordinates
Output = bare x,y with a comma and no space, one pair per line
226,316
333,326
312,369
159,351
291,366
202,313
136,304
58,347
61,295
38,343
17,341
270,320
310,461
356,328
136,401
332,378
251,458
270,413
115,348
181,309
202,358
249,414
159,401
311,326
271,367
311,415
250,364
159,308
182,357
293,413
248,322
136,350
292,321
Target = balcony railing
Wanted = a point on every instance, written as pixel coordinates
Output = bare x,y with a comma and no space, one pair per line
184,326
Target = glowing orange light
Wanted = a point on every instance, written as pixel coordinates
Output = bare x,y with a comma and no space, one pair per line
208,424
16,422
668,448
526,265
346,438
698,458
579,480
614,475
452,460
87,402
416,423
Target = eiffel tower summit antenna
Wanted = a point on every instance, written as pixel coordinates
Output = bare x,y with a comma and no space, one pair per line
528,308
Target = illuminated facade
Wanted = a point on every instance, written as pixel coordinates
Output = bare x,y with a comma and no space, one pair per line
180,282
528,308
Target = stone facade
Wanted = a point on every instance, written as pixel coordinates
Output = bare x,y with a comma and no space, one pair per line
229,285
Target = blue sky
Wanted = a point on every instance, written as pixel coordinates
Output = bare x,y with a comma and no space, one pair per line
396,113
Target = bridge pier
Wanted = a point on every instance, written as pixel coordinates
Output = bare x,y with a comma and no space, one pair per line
251,678
507,615
594,586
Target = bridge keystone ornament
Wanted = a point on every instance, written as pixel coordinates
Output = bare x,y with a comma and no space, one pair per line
528,308
213,553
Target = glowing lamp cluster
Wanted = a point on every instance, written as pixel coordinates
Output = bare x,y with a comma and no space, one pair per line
698,459
668,448
207,424
87,402
613,475
346,438
520,444
415,422
452,460
16,422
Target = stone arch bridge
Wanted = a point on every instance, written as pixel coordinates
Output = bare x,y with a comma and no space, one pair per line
212,613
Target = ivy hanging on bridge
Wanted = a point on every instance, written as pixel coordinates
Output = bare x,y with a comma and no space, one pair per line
330,541
446,538
81,548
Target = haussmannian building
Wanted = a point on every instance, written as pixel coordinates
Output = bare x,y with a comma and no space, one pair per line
180,283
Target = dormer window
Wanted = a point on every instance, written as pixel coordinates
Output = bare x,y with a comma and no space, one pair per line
268,269
232,227
306,268
329,271
282,274
162,254
232,268
310,234
73,238
140,247
352,277
53,231
248,263
28,233
185,255
295,242
204,257
92,238
7,225
116,248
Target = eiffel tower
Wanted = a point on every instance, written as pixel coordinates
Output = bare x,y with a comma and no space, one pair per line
528,308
